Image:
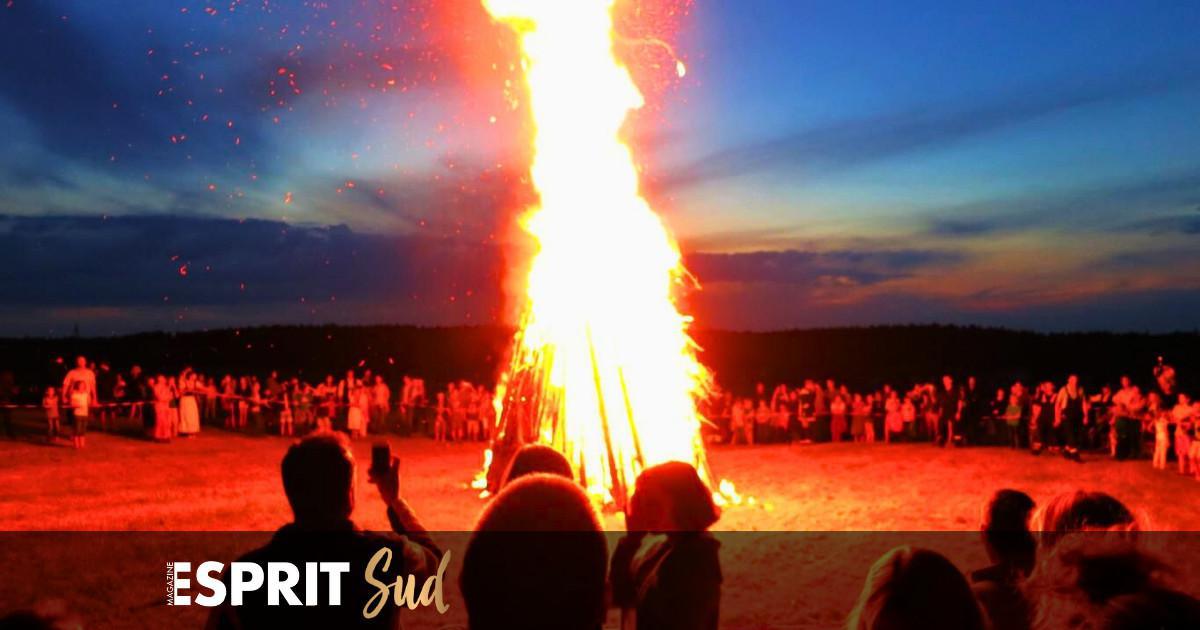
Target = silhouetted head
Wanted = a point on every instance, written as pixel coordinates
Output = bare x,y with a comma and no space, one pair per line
1083,511
537,559
537,458
915,589
318,478
1006,530
1159,608
672,497
1100,580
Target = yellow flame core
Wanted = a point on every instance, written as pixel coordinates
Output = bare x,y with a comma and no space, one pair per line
600,286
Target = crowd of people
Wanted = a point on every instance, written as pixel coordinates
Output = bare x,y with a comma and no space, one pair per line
1075,562
538,558
1123,421
165,407
1051,567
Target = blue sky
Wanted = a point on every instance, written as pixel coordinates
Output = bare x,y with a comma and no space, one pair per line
189,164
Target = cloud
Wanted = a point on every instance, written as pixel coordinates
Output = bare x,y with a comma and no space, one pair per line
772,307
816,268
855,142
1101,208
1174,224
163,267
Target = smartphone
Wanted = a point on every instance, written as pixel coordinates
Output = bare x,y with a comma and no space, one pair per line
381,457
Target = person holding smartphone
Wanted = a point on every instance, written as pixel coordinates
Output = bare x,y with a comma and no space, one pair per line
319,478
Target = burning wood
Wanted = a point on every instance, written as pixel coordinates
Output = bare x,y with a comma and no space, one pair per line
602,369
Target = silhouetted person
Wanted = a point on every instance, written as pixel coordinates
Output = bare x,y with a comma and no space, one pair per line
915,589
8,389
949,403
536,560
537,458
1105,582
1083,511
666,572
1012,550
1158,608
319,478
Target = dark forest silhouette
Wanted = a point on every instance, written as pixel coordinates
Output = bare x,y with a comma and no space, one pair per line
862,357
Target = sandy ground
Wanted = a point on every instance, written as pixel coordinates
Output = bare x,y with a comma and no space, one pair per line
822,514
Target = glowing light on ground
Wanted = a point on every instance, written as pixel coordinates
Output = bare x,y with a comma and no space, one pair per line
602,369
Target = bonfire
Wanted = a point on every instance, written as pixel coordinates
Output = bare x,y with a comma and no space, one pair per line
602,368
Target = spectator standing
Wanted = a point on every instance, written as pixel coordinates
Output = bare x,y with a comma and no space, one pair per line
381,404
81,373
81,401
8,389
666,572
51,407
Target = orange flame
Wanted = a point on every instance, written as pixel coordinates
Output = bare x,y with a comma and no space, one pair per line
605,343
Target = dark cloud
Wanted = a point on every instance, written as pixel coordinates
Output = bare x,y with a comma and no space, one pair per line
1177,224
967,226
1106,208
123,274
767,307
816,268
233,267
1158,259
861,141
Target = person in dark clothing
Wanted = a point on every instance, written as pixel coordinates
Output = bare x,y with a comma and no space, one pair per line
537,559
1070,413
319,476
804,429
137,392
1042,426
997,410
106,382
949,406
1012,550
972,412
8,389
666,572
1100,420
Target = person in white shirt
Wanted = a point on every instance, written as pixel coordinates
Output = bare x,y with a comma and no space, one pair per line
80,374
80,401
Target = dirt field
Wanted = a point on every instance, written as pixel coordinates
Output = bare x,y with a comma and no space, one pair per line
815,500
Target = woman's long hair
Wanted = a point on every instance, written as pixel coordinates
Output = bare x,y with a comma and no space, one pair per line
915,589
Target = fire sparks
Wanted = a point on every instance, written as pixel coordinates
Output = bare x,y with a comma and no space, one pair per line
603,369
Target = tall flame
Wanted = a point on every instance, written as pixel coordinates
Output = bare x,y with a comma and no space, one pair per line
603,367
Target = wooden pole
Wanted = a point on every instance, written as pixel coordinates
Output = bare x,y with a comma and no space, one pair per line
618,486
633,430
